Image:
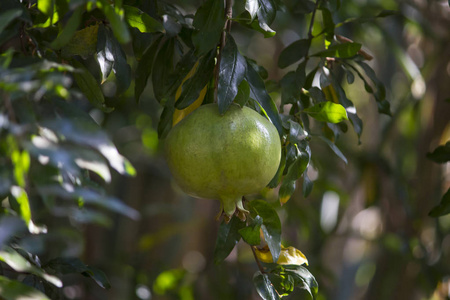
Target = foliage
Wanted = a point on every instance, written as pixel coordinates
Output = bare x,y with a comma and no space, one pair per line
64,63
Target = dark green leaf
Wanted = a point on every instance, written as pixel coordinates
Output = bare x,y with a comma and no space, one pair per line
118,25
328,25
192,87
294,52
259,93
264,287
327,112
441,154
209,22
443,208
271,225
260,27
303,279
297,168
162,67
287,189
99,277
251,233
140,20
227,237
69,30
345,50
232,72
7,16
262,72
277,178
266,13
14,290
292,84
243,94
105,55
89,86
166,120
334,148
296,132
144,68
317,94
307,184
121,68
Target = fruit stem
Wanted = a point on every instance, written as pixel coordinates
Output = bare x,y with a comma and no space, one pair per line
261,269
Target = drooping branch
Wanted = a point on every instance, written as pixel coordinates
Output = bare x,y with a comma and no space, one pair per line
311,24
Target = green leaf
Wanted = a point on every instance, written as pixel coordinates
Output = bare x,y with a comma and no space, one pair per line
8,16
327,112
443,208
259,93
105,57
89,86
328,24
307,184
264,287
232,72
118,25
69,265
292,84
46,6
271,226
121,68
143,22
20,264
21,197
345,50
286,191
334,148
209,22
295,170
69,30
441,154
243,94
227,237
83,42
304,279
294,52
261,27
144,68
266,13
14,290
162,67
277,178
251,233
192,87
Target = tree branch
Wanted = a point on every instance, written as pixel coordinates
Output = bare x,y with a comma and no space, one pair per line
261,269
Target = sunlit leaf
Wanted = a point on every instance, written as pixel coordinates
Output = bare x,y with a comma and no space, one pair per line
329,26
340,51
252,7
46,6
441,154
327,112
271,226
15,290
140,20
20,264
232,72
209,22
443,208
227,237
288,256
116,20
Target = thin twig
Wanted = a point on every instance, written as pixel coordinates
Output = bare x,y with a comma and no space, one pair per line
261,269
312,19
226,29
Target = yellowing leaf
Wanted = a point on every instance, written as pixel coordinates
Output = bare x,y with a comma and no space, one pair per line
288,256
330,94
179,114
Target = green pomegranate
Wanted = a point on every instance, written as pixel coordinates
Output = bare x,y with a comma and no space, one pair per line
223,156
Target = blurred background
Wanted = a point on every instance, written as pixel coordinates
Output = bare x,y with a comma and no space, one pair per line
365,227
